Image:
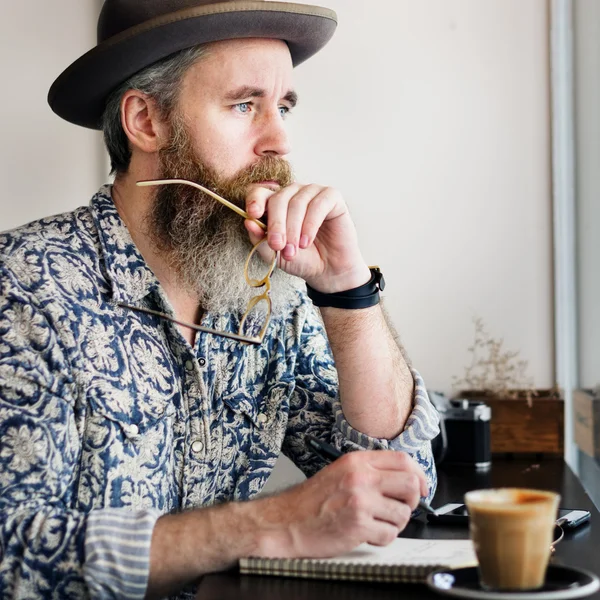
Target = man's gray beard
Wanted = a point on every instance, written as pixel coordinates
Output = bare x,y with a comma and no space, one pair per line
207,250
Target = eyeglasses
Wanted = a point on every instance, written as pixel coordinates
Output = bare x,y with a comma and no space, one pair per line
253,282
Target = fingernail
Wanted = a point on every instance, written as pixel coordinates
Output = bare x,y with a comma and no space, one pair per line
304,241
276,238
289,251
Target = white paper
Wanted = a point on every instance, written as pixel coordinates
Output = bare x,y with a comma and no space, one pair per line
408,551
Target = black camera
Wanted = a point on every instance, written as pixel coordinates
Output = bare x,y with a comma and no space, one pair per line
465,432
468,433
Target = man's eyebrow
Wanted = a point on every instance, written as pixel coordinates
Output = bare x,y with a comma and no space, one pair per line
247,91
292,98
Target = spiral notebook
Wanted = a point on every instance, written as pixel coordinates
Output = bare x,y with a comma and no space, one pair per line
404,560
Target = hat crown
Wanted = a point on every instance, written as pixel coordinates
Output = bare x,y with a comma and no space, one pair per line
118,15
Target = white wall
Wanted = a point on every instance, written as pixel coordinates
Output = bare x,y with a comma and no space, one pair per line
431,116
46,165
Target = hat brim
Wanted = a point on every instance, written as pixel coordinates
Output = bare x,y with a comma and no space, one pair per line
79,94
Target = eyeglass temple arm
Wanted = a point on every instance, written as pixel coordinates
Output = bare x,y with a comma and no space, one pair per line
226,203
227,334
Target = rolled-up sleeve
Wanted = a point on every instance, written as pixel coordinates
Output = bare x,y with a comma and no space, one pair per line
47,551
117,553
316,409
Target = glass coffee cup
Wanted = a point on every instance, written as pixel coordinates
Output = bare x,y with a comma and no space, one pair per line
512,530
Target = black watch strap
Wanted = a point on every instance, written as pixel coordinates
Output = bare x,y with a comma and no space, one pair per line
363,296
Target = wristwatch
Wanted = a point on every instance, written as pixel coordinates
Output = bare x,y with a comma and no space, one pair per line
363,296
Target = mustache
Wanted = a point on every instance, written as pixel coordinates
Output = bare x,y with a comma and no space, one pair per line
267,168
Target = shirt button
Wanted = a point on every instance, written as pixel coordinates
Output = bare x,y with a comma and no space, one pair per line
202,362
197,447
189,365
262,419
133,430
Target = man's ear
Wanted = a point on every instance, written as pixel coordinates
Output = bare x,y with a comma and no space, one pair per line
142,121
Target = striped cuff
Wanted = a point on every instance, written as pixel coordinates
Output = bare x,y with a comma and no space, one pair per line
117,553
421,426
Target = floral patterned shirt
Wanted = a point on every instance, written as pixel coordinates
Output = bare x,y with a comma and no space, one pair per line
109,418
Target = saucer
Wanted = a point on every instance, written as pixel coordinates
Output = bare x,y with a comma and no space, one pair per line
561,583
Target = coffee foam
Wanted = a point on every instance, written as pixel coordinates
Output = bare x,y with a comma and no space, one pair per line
511,499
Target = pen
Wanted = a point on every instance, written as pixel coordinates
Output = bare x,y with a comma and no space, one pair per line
328,452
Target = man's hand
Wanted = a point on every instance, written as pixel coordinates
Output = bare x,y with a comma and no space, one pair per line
311,226
361,497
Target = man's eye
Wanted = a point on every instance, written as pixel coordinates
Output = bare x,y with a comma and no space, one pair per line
284,111
243,107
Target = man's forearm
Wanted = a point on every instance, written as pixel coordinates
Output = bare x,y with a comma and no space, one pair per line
376,385
188,545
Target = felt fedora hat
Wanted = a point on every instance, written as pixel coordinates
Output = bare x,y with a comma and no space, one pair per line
133,34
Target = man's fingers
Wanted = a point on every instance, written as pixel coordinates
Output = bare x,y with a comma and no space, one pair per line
403,487
277,214
256,200
393,512
391,460
396,461
296,214
255,232
318,210
382,533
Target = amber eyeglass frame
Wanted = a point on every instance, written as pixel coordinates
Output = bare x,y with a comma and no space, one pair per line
254,283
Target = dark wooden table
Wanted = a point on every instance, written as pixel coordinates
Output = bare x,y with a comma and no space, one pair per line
580,548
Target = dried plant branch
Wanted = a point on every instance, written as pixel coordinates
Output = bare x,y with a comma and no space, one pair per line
495,371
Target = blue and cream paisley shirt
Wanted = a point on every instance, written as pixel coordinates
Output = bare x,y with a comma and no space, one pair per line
109,418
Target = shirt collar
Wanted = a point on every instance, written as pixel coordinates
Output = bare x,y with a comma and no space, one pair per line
130,277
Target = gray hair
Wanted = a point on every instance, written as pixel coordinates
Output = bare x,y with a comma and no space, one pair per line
160,82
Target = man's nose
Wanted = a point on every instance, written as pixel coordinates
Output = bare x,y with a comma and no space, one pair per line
273,139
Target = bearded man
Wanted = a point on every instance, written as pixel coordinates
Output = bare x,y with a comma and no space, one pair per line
146,388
